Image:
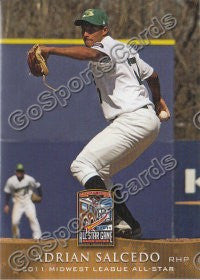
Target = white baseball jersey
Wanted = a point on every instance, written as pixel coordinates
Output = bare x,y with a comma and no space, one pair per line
119,81
21,190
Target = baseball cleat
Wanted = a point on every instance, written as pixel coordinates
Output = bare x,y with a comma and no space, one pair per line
123,230
137,233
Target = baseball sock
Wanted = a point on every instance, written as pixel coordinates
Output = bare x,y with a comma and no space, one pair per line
95,182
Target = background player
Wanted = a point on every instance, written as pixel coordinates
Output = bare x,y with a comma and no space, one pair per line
125,102
21,186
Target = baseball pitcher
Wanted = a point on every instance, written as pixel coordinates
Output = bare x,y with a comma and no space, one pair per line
134,121
21,187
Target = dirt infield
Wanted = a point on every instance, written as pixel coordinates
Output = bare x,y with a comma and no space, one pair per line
132,259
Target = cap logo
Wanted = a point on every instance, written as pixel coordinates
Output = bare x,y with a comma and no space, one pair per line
88,13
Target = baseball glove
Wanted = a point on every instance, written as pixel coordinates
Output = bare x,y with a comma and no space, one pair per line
36,62
36,198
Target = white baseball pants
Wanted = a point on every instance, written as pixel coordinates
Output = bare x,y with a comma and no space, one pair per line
117,146
27,207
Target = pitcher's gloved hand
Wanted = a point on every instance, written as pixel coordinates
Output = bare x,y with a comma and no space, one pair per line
37,62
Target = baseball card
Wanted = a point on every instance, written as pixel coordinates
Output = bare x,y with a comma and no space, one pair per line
100,139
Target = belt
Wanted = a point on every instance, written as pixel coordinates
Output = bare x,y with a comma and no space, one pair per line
144,107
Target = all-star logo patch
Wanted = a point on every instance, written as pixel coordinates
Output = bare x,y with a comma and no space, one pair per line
96,217
99,45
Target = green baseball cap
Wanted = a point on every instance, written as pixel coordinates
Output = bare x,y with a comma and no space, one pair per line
19,167
93,16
